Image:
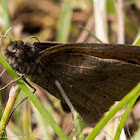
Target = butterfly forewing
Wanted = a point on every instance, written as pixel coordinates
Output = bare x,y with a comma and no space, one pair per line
127,53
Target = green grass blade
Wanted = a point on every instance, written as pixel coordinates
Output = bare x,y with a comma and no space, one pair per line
124,117
5,15
94,36
137,41
111,7
78,127
65,22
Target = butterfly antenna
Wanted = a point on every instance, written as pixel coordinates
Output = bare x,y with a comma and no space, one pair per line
31,38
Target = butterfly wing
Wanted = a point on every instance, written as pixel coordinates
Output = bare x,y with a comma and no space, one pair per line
127,53
91,83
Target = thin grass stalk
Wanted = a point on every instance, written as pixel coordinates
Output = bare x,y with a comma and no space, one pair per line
64,22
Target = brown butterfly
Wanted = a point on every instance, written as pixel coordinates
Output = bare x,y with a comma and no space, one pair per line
92,75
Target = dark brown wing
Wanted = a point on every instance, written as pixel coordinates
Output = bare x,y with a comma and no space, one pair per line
127,53
91,83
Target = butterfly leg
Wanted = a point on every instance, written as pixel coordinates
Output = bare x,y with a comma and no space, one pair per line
13,81
29,84
21,76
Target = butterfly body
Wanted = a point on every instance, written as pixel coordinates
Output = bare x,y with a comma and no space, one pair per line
93,76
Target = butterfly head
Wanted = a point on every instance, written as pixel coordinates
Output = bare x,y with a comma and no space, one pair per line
21,55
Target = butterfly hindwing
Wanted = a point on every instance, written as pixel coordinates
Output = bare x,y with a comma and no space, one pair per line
92,84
